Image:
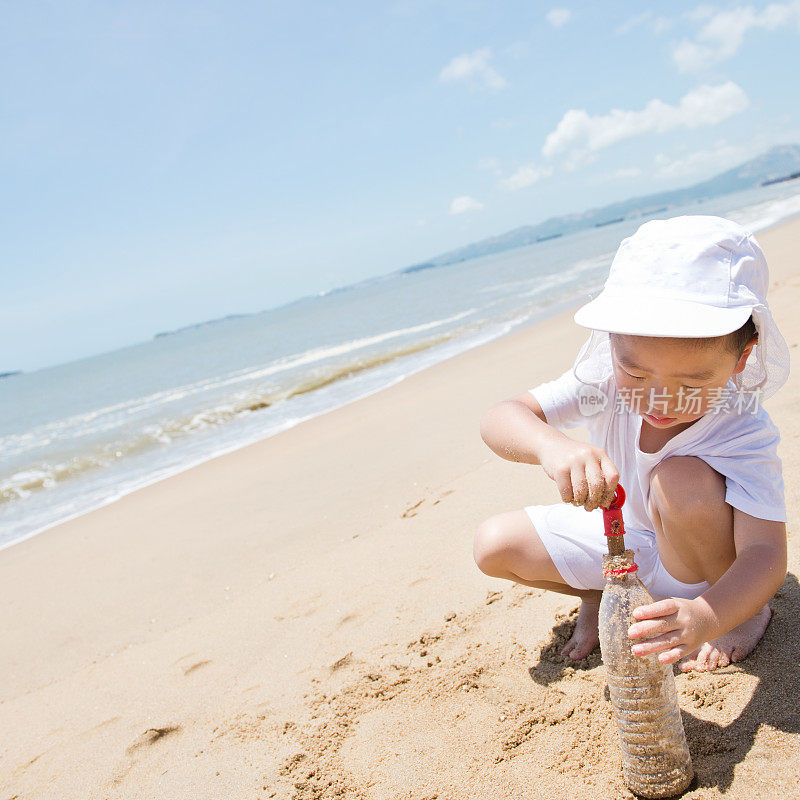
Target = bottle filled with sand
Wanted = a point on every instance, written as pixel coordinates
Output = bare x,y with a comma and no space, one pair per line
655,757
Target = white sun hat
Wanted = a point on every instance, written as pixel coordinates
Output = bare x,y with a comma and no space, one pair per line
689,276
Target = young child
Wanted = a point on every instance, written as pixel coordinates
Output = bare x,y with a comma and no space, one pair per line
683,350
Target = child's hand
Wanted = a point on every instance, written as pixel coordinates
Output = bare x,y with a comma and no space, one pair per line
677,627
584,474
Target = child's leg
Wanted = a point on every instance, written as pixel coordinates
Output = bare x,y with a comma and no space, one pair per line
694,531
508,546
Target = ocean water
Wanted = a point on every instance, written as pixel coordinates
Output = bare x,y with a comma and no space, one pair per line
79,435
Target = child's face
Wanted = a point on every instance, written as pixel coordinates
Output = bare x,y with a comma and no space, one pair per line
670,381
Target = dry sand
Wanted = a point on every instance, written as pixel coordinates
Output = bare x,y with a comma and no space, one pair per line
303,619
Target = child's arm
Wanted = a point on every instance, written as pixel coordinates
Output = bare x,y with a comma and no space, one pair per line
517,430
746,587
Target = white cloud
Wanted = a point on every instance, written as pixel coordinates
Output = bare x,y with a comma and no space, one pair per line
628,172
633,22
723,32
579,135
465,204
661,24
526,175
700,13
721,157
559,16
657,25
473,68
517,50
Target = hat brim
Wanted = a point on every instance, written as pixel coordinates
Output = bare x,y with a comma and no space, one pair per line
652,316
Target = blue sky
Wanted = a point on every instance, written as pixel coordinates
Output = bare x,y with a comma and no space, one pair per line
166,163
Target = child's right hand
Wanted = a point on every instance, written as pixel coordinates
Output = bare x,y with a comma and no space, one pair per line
584,474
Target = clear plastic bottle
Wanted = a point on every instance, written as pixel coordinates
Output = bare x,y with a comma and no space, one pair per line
655,757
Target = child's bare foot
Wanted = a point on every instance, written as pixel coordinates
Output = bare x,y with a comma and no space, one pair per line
731,647
585,637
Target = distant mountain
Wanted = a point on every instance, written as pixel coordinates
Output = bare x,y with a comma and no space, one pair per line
776,164
201,325
779,162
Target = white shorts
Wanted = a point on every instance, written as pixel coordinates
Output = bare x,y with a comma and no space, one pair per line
576,543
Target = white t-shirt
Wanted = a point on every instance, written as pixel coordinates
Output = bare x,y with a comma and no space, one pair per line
740,446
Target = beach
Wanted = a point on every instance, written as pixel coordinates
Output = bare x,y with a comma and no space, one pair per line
302,618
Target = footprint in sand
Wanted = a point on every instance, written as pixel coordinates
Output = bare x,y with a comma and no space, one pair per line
188,670
151,736
196,666
136,750
413,510
345,619
342,662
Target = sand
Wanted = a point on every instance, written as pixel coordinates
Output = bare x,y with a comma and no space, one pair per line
302,619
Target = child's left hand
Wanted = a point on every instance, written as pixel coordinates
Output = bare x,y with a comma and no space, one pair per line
677,627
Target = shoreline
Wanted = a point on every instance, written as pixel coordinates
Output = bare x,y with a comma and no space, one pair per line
165,474
302,617
158,476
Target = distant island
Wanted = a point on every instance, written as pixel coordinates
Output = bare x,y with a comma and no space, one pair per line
781,180
201,324
607,222
9,374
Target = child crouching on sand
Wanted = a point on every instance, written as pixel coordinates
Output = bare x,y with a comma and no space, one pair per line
683,350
